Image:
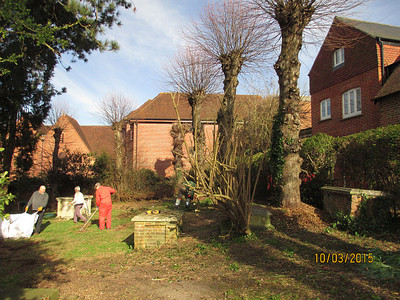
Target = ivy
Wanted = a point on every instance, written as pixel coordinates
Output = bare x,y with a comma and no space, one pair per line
276,155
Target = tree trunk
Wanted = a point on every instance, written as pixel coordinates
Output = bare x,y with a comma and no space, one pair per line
196,101
9,144
119,146
57,139
231,66
292,20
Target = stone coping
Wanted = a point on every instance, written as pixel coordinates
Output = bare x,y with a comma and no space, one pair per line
166,215
257,209
71,198
352,191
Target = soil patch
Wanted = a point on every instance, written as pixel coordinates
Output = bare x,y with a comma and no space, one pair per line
269,264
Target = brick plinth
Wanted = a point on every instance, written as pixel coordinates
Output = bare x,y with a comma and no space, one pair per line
154,230
346,200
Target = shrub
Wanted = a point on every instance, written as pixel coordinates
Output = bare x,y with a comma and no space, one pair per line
319,159
371,159
5,197
375,214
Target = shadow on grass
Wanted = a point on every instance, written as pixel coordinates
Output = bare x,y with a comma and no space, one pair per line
26,263
287,259
44,226
130,240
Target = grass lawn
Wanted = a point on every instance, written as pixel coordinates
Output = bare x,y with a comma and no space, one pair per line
283,263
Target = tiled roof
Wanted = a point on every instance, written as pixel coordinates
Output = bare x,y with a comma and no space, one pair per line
100,138
391,86
161,108
374,30
96,138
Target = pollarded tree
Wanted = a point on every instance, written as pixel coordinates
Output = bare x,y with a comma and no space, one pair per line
112,111
233,40
190,73
292,17
57,118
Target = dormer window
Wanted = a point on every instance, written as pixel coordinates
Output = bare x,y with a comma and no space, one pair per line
338,57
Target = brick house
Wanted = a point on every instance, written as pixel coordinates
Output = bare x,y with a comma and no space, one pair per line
355,78
75,138
147,130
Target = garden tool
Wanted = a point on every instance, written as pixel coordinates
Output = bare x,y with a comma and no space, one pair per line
88,220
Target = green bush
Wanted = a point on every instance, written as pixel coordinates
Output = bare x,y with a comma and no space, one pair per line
371,159
319,158
367,160
374,215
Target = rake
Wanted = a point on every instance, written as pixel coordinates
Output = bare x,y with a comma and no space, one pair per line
88,220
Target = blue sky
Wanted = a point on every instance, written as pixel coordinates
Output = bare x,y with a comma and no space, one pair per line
148,39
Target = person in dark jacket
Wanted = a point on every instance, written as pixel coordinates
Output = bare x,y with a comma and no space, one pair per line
38,201
186,193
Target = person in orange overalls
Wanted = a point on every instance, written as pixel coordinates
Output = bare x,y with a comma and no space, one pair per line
103,202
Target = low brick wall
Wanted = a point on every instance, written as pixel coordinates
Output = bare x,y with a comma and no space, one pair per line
346,200
154,230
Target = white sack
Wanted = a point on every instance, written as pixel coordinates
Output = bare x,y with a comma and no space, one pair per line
18,225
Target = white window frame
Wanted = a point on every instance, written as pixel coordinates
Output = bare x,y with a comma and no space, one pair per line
325,109
351,103
338,57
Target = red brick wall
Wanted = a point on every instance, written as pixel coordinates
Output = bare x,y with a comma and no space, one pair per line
154,146
389,111
359,58
362,68
43,156
337,126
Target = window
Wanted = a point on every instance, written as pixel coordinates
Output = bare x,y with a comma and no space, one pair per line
338,57
351,103
325,109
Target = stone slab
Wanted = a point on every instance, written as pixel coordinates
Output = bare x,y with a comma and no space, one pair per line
167,215
260,217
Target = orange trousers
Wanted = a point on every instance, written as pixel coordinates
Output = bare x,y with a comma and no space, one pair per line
105,213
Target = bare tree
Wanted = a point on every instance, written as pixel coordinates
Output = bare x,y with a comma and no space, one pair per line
58,121
227,183
191,74
112,111
231,40
291,17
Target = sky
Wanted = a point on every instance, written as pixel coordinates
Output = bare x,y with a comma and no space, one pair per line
148,39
